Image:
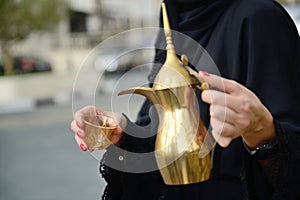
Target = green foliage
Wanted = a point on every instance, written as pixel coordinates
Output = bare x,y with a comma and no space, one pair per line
18,18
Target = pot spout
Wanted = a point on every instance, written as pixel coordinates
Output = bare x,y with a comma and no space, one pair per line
145,91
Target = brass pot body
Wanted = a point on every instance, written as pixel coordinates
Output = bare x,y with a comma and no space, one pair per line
180,149
181,153
180,138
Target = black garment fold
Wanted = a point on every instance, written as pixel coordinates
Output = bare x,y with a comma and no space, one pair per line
255,43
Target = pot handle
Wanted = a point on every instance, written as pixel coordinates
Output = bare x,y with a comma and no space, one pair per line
202,84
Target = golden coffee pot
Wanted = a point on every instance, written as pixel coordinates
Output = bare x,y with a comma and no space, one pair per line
180,152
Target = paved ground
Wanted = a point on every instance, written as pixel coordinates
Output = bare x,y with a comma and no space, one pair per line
39,160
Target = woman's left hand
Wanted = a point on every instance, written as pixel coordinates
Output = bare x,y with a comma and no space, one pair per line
236,111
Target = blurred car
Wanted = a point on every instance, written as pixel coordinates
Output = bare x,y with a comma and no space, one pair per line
119,61
27,64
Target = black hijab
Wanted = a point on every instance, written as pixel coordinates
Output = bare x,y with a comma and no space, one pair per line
195,18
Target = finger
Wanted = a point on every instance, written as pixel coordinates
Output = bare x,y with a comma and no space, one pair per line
115,139
79,115
223,114
222,84
81,143
224,141
216,128
118,131
79,120
73,126
219,98
232,125
222,129
79,132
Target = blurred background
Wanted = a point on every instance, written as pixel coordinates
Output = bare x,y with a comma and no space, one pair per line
43,45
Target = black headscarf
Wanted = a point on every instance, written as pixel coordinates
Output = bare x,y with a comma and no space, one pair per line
194,18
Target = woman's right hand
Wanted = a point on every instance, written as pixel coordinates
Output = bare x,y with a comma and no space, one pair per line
79,127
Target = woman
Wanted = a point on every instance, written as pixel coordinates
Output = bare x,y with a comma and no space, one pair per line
256,46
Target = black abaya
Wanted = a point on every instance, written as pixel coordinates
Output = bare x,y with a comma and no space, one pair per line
255,43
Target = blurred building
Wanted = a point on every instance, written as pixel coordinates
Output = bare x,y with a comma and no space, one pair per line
92,21
88,23
98,19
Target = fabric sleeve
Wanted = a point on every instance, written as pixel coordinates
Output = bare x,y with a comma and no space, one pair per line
123,185
272,53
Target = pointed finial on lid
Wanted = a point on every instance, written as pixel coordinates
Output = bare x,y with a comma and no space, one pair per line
167,29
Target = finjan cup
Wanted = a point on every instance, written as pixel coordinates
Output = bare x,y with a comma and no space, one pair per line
99,130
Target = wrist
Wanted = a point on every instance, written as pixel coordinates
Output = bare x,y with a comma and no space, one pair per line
263,151
266,133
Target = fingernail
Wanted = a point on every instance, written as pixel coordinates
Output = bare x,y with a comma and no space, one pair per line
82,147
78,123
204,73
79,134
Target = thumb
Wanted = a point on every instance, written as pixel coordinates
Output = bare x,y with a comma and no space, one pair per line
217,82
